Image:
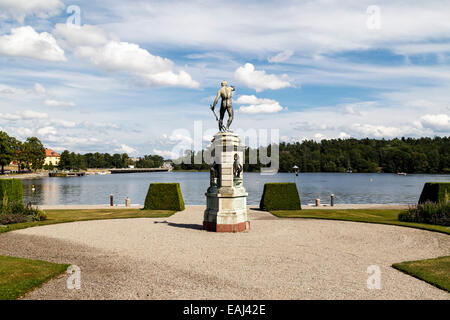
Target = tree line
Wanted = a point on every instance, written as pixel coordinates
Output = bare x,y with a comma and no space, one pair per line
76,161
409,155
29,154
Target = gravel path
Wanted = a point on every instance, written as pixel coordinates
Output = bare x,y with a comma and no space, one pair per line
172,258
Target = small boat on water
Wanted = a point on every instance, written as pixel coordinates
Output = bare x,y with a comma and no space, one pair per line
402,173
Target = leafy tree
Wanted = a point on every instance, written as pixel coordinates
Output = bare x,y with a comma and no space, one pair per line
34,153
6,151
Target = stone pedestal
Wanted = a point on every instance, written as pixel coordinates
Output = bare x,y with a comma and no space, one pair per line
226,198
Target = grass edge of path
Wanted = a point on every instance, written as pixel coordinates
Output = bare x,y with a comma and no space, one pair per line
27,274
343,215
420,269
96,214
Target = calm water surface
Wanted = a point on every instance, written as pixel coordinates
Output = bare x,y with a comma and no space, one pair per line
348,188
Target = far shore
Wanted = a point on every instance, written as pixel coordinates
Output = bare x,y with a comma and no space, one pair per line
43,174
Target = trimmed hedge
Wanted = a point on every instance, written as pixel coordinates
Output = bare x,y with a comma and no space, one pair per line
280,196
435,192
12,188
164,196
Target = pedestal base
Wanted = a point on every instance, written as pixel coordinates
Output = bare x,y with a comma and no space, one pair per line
239,227
226,213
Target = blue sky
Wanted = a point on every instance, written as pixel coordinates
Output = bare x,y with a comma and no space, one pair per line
138,76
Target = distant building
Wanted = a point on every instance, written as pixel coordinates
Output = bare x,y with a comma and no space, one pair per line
167,165
51,157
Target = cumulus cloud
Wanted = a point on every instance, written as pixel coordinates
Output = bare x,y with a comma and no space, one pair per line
58,103
96,125
85,35
26,42
165,154
123,148
63,123
118,56
281,57
25,115
46,131
177,137
19,9
438,122
39,88
382,131
259,80
355,108
254,105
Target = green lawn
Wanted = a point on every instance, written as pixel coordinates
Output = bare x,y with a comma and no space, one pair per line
61,216
18,275
434,271
359,215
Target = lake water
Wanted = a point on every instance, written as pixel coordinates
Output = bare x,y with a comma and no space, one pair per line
347,188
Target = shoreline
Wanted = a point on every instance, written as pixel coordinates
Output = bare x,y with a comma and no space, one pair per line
380,206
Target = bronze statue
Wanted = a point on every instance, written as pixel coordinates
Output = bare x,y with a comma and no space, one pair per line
237,167
225,93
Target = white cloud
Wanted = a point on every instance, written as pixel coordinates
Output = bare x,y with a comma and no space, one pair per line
281,57
129,57
304,26
382,131
29,115
355,108
85,35
46,131
39,88
259,80
18,9
438,122
178,137
319,136
26,42
343,135
63,123
57,103
166,154
25,115
19,132
123,148
10,116
99,125
256,105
